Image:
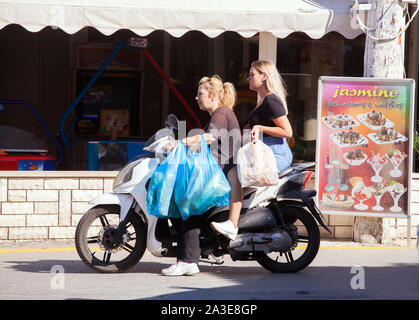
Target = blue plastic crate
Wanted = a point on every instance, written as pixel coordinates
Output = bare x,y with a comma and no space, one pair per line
111,155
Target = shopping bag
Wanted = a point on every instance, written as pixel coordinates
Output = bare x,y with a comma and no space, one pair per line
256,165
201,183
157,147
160,202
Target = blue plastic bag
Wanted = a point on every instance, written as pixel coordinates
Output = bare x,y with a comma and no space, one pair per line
201,184
160,202
187,183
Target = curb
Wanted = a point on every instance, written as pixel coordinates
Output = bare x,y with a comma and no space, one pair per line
10,246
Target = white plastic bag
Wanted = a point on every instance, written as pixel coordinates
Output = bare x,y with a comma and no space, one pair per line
256,165
157,147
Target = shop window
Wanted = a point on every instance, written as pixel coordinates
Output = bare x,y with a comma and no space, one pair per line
194,56
301,61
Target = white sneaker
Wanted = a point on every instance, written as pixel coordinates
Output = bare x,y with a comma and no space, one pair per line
181,269
226,228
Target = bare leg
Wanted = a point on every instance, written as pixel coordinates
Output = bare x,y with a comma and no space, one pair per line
229,228
236,196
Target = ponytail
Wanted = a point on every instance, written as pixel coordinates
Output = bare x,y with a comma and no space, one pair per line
230,95
225,91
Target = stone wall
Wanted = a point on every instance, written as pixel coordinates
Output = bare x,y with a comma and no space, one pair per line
49,204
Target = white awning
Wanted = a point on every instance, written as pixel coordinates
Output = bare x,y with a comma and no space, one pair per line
212,17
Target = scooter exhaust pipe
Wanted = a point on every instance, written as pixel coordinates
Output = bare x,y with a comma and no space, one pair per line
277,241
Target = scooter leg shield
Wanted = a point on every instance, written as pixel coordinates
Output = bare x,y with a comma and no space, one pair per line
121,199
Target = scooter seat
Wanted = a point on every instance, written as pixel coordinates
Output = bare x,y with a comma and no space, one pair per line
284,172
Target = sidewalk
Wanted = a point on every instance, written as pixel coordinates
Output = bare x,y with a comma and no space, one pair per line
69,245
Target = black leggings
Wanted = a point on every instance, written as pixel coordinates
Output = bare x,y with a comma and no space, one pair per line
188,244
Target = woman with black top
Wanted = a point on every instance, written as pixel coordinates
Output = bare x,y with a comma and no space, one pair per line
268,118
223,135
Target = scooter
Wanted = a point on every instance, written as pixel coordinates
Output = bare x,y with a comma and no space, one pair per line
278,225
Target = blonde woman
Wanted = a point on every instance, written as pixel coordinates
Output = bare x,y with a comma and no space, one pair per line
221,132
268,118
270,115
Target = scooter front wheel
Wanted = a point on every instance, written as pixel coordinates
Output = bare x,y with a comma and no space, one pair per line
97,247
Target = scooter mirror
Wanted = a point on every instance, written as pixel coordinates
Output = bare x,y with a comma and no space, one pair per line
172,122
171,126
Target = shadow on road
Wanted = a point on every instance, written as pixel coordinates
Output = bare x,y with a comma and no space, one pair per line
76,266
399,281
44,266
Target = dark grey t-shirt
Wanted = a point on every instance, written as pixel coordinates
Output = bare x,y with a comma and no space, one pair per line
225,127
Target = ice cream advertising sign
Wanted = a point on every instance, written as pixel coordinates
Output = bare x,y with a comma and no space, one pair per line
364,150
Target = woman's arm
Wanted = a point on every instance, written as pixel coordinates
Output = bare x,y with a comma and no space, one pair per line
282,129
190,141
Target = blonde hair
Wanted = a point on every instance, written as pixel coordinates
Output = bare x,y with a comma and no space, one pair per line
274,81
225,91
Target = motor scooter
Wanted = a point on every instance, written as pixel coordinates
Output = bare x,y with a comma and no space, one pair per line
278,225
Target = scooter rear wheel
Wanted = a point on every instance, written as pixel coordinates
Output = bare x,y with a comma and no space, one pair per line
95,244
305,248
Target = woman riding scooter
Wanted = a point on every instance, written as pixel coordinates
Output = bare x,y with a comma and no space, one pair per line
218,99
268,117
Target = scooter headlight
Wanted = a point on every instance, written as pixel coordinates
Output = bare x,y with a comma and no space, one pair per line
125,174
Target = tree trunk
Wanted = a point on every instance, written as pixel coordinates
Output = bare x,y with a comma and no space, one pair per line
382,59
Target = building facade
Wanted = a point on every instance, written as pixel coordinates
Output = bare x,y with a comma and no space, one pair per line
49,58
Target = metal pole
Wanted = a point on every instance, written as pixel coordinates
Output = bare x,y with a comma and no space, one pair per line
409,224
83,92
173,88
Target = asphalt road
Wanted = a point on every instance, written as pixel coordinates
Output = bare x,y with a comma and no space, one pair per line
53,271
